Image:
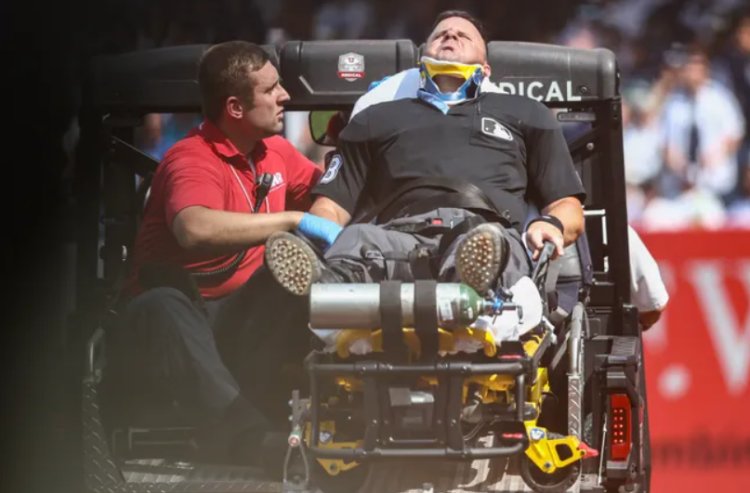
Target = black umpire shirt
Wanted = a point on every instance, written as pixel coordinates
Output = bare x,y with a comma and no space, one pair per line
509,146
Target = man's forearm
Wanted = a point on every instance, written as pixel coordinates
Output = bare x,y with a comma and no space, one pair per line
200,228
570,212
328,209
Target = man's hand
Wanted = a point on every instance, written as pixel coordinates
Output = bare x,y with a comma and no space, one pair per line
538,232
563,224
319,229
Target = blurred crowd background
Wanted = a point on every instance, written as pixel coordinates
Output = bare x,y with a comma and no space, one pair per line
685,77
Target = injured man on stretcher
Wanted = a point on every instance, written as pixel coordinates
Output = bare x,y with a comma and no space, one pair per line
436,186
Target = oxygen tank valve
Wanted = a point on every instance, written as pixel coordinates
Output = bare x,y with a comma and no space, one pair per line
500,303
505,293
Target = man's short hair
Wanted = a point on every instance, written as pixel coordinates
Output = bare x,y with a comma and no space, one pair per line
223,72
464,15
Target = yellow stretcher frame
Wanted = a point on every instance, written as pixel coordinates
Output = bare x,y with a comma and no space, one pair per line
543,449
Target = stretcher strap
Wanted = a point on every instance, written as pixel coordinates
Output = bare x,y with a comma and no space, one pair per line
457,230
425,317
391,321
421,262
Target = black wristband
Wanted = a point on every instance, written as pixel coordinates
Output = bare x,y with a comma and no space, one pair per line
548,219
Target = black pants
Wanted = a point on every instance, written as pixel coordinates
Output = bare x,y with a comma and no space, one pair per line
205,359
379,251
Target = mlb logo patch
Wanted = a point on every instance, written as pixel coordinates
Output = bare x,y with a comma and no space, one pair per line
494,128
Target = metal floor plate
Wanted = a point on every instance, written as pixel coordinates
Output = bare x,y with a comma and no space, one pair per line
496,476
164,471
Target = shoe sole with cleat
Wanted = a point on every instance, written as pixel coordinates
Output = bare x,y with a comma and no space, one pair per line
292,262
480,257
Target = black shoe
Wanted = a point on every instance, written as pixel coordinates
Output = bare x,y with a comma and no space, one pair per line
482,256
264,450
293,262
296,265
233,437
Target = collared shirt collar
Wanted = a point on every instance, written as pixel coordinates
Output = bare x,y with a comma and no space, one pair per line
225,147
218,140
484,86
433,101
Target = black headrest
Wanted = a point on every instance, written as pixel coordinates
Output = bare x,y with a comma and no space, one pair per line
334,74
553,73
156,80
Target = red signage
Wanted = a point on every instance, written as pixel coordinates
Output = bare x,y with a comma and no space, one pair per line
698,363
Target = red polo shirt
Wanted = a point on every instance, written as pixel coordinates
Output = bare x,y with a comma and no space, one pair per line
198,170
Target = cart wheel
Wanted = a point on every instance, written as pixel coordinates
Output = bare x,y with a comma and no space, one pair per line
344,482
541,482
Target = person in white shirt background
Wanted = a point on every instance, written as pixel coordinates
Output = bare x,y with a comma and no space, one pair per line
703,128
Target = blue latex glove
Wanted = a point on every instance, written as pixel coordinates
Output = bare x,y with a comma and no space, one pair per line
319,229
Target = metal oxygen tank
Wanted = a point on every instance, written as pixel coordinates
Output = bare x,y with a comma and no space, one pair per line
357,306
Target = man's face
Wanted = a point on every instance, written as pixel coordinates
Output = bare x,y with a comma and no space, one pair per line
743,35
695,72
455,39
266,114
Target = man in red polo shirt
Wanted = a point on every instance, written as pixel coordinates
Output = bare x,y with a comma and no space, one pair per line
215,198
